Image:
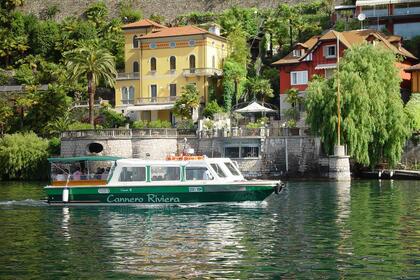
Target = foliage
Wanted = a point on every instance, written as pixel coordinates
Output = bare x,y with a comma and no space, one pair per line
4,78
196,18
139,124
234,77
291,123
111,118
6,113
54,146
157,18
80,126
128,14
208,124
295,100
374,124
413,45
253,125
211,109
159,124
97,13
412,109
238,47
185,124
236,18
22,155
261,87
93,62
47,105
189,100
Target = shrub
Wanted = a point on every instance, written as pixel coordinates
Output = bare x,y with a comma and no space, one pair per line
23,156
211,109
253,125
54,145
185,124
159,124
80,126
139,124
112,119
208,124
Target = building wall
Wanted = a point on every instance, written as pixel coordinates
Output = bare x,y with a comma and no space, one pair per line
415,82
205,48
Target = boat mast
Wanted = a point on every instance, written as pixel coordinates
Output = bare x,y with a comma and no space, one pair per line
338,90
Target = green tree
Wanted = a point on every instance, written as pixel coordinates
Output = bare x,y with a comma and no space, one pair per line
234,77
374,124
187,102
94,63
22,156
6,113
412,109
128,14
211,109
261,87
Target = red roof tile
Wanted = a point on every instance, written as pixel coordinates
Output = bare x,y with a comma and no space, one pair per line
176,31
143,23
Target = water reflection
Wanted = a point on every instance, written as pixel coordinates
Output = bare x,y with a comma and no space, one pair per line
314,230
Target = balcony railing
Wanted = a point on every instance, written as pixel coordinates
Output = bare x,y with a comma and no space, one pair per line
129,133
155,100
193,72
128,76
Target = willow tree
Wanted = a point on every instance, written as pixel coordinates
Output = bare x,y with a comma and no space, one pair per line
374,123
93,62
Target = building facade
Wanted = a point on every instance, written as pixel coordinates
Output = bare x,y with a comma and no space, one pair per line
398,17
415,77
160,61
318,56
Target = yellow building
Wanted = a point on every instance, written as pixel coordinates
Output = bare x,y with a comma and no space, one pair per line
160,61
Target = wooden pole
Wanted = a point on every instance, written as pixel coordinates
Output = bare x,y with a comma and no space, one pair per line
338,90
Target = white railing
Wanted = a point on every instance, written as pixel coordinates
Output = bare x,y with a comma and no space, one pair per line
160,99
128,76
128,133
193,72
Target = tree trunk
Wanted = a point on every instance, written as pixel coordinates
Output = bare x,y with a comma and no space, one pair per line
91,93
236,92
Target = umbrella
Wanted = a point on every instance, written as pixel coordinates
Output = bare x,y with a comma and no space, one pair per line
254,107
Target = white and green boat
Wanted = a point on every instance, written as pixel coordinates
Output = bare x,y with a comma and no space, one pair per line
176,180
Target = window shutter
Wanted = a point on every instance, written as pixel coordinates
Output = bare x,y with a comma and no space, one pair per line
325,51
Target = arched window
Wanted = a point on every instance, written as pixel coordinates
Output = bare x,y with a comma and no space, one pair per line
135,41
135,67
192,61
124,95
153,64
131,95
172,63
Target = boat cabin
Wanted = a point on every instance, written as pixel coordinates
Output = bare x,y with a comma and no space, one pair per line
74,171
134,171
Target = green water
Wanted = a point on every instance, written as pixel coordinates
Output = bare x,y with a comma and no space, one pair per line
313,230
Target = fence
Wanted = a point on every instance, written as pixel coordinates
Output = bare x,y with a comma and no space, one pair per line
129,133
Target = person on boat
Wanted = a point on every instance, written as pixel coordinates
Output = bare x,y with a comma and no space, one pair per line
77,174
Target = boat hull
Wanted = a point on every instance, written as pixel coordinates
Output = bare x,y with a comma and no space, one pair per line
162,194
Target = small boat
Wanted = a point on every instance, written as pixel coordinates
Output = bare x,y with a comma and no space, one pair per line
175,180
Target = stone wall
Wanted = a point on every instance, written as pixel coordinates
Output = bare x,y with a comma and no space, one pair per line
294,155
170,9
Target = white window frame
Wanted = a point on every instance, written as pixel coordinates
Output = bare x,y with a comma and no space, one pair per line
326,51
301,78
297,53
308,57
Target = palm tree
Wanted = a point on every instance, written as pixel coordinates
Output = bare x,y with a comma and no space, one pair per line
261,87
93,62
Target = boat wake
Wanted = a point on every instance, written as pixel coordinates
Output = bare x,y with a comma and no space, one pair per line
25,202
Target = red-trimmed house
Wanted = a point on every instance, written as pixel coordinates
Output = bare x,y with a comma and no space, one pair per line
318,56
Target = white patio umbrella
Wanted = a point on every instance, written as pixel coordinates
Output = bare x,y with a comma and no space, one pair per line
254,107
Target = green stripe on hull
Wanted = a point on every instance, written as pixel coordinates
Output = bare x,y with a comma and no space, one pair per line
170,195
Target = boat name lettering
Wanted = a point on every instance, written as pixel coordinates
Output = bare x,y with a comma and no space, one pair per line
151,198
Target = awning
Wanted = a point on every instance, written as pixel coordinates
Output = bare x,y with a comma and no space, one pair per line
254,107
154,107
325,66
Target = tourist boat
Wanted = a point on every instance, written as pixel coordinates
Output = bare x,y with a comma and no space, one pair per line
175,180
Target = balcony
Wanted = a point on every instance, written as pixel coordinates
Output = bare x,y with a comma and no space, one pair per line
156,100
128,76
208,72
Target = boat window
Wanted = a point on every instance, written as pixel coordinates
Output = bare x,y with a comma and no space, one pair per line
129,174
165,173
218,170
197,173
232,169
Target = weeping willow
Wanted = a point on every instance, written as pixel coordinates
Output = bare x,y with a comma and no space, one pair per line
374,123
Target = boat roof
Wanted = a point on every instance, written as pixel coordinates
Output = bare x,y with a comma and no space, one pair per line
136,162
84,158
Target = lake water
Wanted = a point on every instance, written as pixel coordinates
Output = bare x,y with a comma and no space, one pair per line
313,230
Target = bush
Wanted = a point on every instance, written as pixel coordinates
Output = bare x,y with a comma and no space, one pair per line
80,126
54,146
112,119
159,124
253,125
23,156
185,124
139,124
211,109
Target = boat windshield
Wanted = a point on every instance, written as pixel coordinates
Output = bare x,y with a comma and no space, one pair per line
218,170
232,169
